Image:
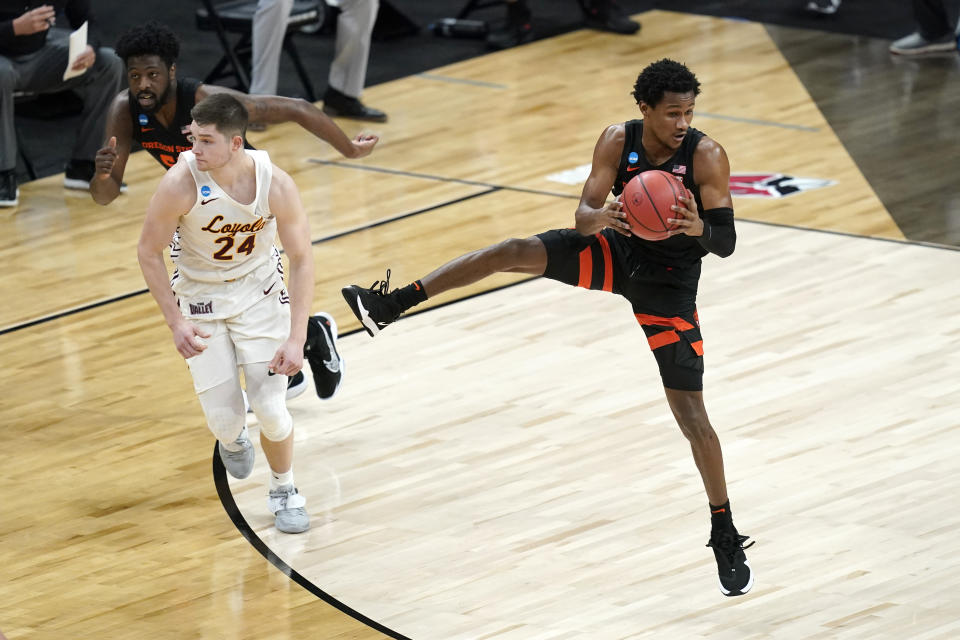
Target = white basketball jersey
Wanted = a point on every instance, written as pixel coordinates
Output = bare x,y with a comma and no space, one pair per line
224,250
221,239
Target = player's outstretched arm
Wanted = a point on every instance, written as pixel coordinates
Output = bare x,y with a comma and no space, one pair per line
594,214
293,228
277,109
174,197
111,160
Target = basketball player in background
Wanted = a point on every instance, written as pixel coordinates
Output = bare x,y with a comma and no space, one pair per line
659,279
154,111
226,303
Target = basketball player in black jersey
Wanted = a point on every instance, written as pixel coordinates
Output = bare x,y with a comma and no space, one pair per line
658,278
155,110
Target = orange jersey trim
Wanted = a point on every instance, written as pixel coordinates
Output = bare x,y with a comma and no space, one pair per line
675,322
586,269
662,339
607,264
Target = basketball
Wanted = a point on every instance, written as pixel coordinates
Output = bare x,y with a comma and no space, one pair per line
647,199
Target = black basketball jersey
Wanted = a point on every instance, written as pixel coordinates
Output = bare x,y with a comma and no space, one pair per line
166,143
676,251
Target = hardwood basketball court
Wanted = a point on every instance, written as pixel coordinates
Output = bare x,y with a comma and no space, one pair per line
504,466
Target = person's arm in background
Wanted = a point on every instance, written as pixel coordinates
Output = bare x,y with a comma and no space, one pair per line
277,109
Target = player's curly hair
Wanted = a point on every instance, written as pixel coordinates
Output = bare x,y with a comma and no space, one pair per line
150,39
662,76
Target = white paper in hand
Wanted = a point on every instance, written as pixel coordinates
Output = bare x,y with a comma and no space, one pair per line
78,43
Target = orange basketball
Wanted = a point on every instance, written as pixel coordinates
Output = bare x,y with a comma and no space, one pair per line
647,199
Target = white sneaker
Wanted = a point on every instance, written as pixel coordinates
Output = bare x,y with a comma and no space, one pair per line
916,45
239,464
288,506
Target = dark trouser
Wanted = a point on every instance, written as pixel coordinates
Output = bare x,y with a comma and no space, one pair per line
936,18
664,299
42,72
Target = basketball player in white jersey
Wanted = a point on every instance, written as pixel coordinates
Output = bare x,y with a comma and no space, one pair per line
226,303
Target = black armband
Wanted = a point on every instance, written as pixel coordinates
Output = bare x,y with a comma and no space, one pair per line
719,235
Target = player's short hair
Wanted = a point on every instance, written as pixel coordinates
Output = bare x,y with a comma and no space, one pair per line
662,76
224,112
150,39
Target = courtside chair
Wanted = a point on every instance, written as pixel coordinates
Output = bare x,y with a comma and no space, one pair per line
236,17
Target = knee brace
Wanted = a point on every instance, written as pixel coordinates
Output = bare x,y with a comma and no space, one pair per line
223,408
268,399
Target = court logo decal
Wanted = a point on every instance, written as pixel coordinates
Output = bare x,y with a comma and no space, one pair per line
773,185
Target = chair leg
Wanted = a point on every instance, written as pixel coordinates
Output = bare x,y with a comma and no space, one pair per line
243,78
291,50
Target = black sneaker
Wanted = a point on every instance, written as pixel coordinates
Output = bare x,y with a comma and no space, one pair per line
606,15
340,105
78,174
9,191
320,350
375,308
736,576
296,385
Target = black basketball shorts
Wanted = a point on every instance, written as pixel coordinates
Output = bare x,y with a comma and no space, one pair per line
664,299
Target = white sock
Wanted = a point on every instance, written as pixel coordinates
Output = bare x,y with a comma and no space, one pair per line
278,480
233,446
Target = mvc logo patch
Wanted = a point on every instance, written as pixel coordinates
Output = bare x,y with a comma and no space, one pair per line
773,185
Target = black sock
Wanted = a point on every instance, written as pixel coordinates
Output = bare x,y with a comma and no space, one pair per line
720,516
410,295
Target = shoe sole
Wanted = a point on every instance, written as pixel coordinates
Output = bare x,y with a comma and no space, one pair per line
333,348
84,185
946,47
353,301
746,588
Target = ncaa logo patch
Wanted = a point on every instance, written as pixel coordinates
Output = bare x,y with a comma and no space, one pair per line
204,191
633,157
143,119
773,185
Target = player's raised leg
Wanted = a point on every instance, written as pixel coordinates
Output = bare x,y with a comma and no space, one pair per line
377,306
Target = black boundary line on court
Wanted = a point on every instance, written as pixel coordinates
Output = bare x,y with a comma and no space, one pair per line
233,511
